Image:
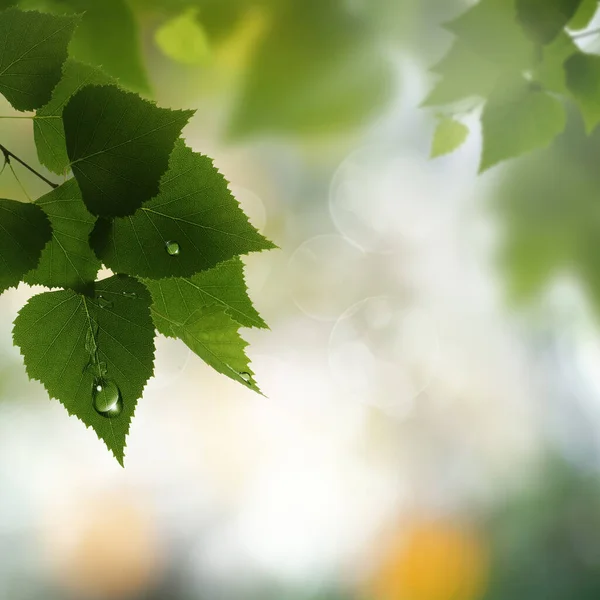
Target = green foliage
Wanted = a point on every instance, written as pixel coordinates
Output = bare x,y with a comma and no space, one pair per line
152,208
184,40
449,135
48,128
118,146
519,61
583,16
24,231
34,50
517,119
71,341
194,210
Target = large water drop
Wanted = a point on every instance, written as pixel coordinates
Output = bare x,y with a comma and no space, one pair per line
107,399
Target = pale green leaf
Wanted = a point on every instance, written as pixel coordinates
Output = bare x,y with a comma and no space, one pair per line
70,341
119,147
583,16
223,285
583,80
34,48
183,39
67,261
449,135
543,20
24,231
48,129
517,119
194,215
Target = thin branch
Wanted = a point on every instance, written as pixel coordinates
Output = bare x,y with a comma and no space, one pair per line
8,155
583,34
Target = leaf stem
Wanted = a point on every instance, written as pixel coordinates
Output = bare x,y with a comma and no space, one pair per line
7,157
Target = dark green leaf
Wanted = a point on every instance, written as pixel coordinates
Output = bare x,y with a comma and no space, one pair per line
48,127
224,286
194,215
69,342
119,146
34,50
67,260
449,135
583,81
517,119
543,20
583,16
24,231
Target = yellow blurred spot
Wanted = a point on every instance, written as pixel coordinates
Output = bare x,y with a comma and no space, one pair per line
235,52
104,547
184,40
431,561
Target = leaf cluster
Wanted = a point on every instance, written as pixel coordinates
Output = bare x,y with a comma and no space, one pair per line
519,62
135,199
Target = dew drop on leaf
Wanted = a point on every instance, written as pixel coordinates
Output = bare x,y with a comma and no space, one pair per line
131,295
172,248
104,303
246,377
107,399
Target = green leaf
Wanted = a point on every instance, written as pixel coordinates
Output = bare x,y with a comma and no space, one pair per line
464,74
224,286
183,39
34,50
119,146
67,260
583,80
449,135
517,119
108,37
48,129
585,13
69,342
543,20
491,30
213,336
194,215
24,231
550,72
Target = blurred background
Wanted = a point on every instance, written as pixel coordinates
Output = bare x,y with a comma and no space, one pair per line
432,410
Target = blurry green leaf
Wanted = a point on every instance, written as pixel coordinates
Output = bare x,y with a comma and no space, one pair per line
464,74
183,39
34,50
491,30
550,71
193,224
517,119
585,13
449,135
58,332
583,80
119,147
67,261
24,231
543,20
317,70
48,126
223,285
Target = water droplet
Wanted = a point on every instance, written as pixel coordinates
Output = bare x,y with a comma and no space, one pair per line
107,399
131,295
90,342
246,377
172,248
104,303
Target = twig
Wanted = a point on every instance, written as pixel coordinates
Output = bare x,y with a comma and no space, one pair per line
8,155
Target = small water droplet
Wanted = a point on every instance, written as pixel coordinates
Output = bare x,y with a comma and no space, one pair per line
131,295
246,377
107,399
90,342
172,248
104,303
